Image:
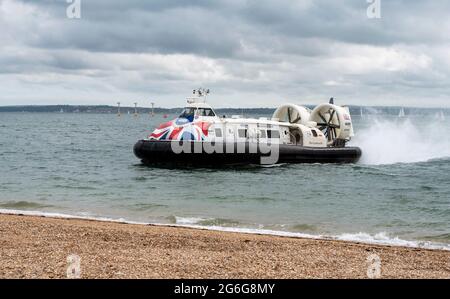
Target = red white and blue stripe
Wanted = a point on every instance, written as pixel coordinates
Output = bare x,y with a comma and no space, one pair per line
181,129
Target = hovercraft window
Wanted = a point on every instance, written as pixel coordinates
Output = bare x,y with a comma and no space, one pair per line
218,133
205,112
209,112
262,134
187,113
273,134
242,133
314,133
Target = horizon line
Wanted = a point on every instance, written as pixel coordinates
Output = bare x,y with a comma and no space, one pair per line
180,107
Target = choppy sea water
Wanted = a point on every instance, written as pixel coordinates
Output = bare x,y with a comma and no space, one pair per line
83,165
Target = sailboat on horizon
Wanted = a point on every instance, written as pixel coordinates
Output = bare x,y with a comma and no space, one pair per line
401,114
440,115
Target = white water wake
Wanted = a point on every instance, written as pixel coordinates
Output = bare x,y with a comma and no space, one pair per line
402,141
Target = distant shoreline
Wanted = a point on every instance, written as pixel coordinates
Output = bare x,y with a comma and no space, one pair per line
123,110
119,250
104,109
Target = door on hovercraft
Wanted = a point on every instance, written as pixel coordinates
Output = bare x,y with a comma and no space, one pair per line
252,133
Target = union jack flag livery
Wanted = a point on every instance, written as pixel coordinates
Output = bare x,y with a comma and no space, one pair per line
181,129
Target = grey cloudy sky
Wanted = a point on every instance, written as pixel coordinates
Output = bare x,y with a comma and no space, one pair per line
250,53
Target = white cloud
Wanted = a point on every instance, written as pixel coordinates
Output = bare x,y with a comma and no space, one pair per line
361,59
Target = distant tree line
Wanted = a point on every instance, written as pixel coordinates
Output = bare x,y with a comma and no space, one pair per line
354,110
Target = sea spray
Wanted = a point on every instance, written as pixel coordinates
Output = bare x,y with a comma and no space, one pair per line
401,141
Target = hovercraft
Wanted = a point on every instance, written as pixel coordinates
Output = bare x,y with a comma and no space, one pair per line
294,134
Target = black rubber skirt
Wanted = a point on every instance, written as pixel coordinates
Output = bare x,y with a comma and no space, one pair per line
195,153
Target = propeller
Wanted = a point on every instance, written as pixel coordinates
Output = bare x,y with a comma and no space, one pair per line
327,126
297,119
290,116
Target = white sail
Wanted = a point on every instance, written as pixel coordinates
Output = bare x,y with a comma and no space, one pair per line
440,115
401,113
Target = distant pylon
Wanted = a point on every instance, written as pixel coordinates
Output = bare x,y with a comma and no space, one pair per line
153,110
135,110
118,108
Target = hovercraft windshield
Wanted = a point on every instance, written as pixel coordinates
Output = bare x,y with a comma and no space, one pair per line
188,113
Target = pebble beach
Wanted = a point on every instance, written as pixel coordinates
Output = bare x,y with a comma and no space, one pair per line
38,247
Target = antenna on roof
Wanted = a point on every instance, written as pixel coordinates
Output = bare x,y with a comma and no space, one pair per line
198,94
